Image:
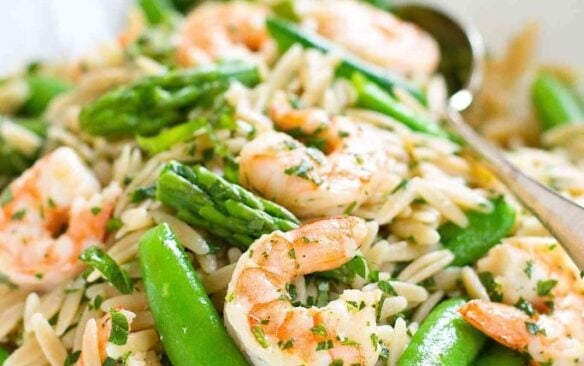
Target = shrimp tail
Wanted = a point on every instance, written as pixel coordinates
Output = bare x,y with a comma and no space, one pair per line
503,323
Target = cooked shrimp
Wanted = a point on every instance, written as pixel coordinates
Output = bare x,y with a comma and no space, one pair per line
541,276
372,34
270,330
215,31
354,170
48,217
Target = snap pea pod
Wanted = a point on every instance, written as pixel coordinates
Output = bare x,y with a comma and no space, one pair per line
555,103
484,231
204,199
153,103
41,90
3,355
189,326
286,34
499,356
444,339
371,96
156,11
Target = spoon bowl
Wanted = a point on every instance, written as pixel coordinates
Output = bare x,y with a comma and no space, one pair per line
462,66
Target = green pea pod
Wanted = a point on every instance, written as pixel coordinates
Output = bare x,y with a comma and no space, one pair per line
3,355
371,96
42,89
444,339
499,356
484,231
286,34
190,329
556,104
156,11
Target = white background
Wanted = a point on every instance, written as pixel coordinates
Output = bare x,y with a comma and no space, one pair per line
53,29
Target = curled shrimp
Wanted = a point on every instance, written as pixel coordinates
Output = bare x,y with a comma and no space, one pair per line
538,276
373,34
353,170
215,31
271,330
48,216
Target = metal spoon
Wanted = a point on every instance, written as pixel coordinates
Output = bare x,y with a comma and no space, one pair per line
462,65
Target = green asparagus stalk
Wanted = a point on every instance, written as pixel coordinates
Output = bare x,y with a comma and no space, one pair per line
227,210
147,106
287,34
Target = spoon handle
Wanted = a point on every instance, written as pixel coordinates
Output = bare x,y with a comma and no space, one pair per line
563,218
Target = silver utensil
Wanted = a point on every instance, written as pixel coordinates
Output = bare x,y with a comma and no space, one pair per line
462,65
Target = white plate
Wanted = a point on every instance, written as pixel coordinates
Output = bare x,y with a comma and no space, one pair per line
53,29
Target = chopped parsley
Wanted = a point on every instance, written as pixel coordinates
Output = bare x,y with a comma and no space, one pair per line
319,330
120,328
544,287
113,224
493,288
301,170
18,215
287,344
528,270
534,329
260,336
95,210
403,184
324,345
5,197
72,358
524,306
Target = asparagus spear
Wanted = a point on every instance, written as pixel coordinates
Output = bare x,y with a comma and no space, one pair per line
286,34
159,101
227,210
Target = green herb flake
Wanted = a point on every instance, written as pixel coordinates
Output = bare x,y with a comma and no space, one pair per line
113,224
534,329
260,337
5,197
18,215
350,208
324,345
319,330
95,210
287,344
544,287
403,184
525,306
120,328
493,288
386,287
101,261
72,358
528,270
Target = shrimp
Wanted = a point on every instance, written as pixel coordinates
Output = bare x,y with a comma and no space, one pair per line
357,167
271,331
372,34
48,216
538,276
215,31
